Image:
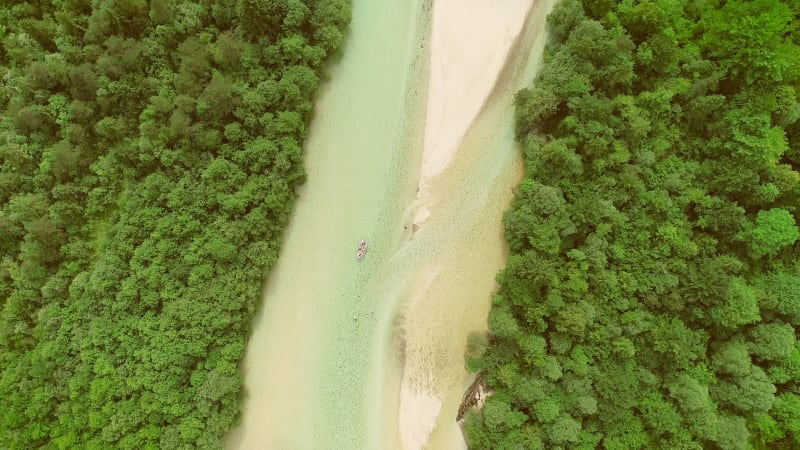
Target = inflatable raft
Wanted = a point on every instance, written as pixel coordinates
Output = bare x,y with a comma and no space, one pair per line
362,250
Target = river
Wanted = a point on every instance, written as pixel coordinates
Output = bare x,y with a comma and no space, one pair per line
349,354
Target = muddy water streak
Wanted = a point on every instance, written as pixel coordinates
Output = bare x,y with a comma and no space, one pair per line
313,367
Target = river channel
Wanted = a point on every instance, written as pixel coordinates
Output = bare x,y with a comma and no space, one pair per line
368,354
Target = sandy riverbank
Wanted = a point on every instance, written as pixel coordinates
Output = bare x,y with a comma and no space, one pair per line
482,52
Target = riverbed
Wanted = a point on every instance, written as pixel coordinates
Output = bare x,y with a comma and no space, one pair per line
368,354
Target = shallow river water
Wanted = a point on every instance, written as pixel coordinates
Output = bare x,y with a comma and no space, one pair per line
314,361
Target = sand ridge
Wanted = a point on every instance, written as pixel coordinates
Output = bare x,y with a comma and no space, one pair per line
470,41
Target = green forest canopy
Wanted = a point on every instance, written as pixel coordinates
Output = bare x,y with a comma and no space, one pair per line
149,153
652,295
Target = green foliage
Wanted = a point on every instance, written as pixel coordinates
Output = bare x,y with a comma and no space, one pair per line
564,430
733,433
650,299
547,410
774,229
499,415
750,40
772,341
732,358
149,155
740,306
782,293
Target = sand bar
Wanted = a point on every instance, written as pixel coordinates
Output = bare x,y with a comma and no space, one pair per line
482,53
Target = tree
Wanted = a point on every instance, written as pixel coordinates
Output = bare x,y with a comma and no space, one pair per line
786,370
123,58
547,410
750,39
217,99
160,11
695,403
740,306
564,430
566,15
748,393
720,216
782,293
732,358
328,19
733,434
679,345
659,414
498,415
534,106
774,229
772,341
261,17
228,51
503,324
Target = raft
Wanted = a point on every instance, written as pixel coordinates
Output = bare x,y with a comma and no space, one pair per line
362,250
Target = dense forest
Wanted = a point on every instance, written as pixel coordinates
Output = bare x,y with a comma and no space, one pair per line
652,296
149,155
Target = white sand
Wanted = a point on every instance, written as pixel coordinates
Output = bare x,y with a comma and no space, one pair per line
415,395
417,429
469,44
